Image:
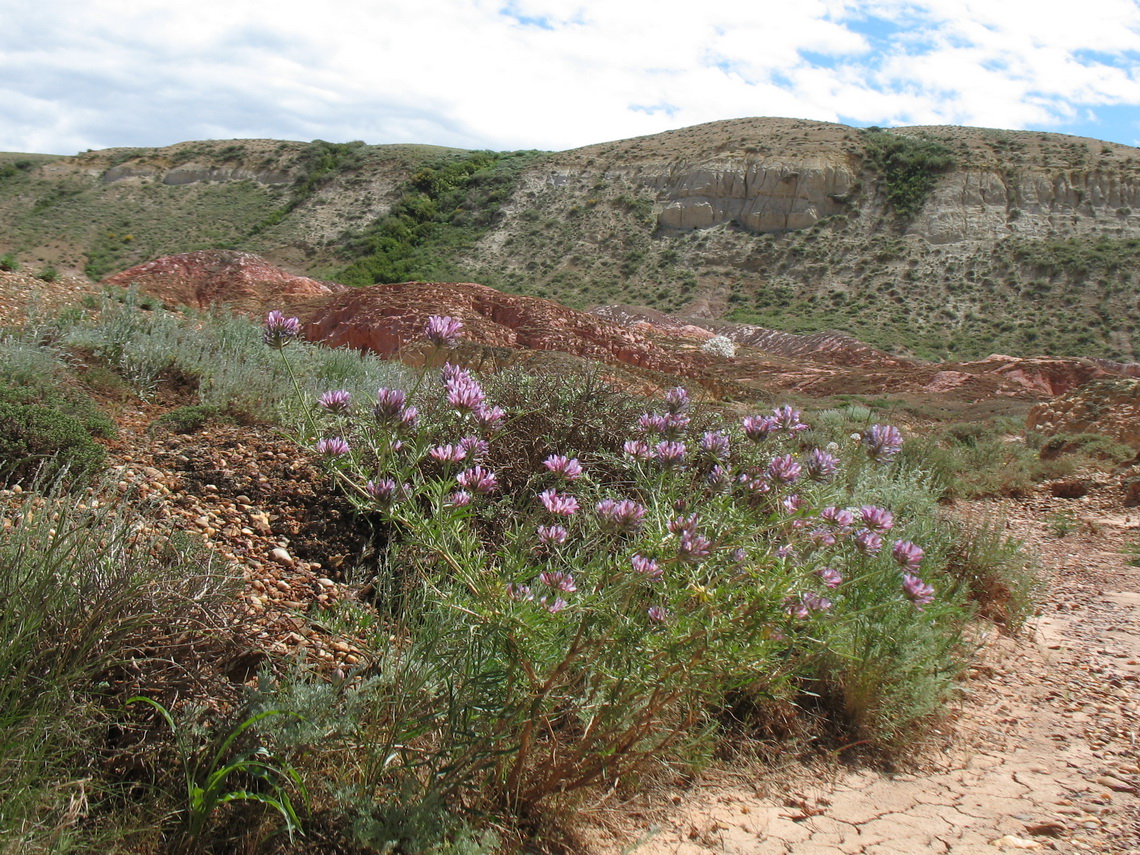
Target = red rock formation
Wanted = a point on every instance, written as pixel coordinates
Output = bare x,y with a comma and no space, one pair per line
385,318
239,279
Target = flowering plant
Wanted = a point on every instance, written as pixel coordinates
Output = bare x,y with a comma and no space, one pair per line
614,597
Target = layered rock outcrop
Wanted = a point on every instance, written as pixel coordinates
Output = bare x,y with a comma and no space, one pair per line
761,196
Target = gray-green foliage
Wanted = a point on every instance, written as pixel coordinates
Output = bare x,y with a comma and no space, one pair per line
223,356
82,585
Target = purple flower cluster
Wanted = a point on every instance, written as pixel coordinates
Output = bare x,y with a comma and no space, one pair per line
386,491
566,467
559,504
333,446
882,442
669,452
550,535
392,408
647,567
784,469
478,480
466,395
338,402
805,604
558,580
877,519
443,331
692,546
907,555
820,465
917,591
715,444
638,449
620,516
280,330
785,418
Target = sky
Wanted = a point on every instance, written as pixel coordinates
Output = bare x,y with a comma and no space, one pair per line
552,74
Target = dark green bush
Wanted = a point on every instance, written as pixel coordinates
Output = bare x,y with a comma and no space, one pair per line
189,419
40,441
908,165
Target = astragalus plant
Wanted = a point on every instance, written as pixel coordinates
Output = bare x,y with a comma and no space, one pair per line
595,616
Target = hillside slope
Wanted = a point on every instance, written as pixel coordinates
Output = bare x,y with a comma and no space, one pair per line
938,242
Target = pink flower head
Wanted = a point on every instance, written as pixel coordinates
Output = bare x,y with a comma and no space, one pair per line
793,503
657,614
867,542
442,331
758,428
448,453
717,477
451,372
820,466
459,499
552,534
822,537
338,402
554,608
332,447
675,424
474,447
676,399
876,518
681,525
624,516
465,394
917,591
784,469
478,479
389,404
558,580
637,449
788,419
906,554
715,444
831,577
693,546
280,330
383,491
519,593
647,567
882,442
841,518
560,504
489,417
669,452
567,467
408,417
651,423
803,606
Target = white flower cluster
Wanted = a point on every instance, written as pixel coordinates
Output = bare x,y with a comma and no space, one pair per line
720,345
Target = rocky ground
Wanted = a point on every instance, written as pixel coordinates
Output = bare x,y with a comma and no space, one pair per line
1041,755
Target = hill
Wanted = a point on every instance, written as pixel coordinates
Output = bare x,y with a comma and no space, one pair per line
935,242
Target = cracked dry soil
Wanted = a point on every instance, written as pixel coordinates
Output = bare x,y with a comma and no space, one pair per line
1042,754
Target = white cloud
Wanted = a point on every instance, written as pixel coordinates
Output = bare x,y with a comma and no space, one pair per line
547,73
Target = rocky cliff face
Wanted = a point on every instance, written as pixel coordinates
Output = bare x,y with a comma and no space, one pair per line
756,195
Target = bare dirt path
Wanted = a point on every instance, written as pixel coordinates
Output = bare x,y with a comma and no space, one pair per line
1043,754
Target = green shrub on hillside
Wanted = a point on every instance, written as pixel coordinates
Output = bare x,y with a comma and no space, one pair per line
444,208
908,166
